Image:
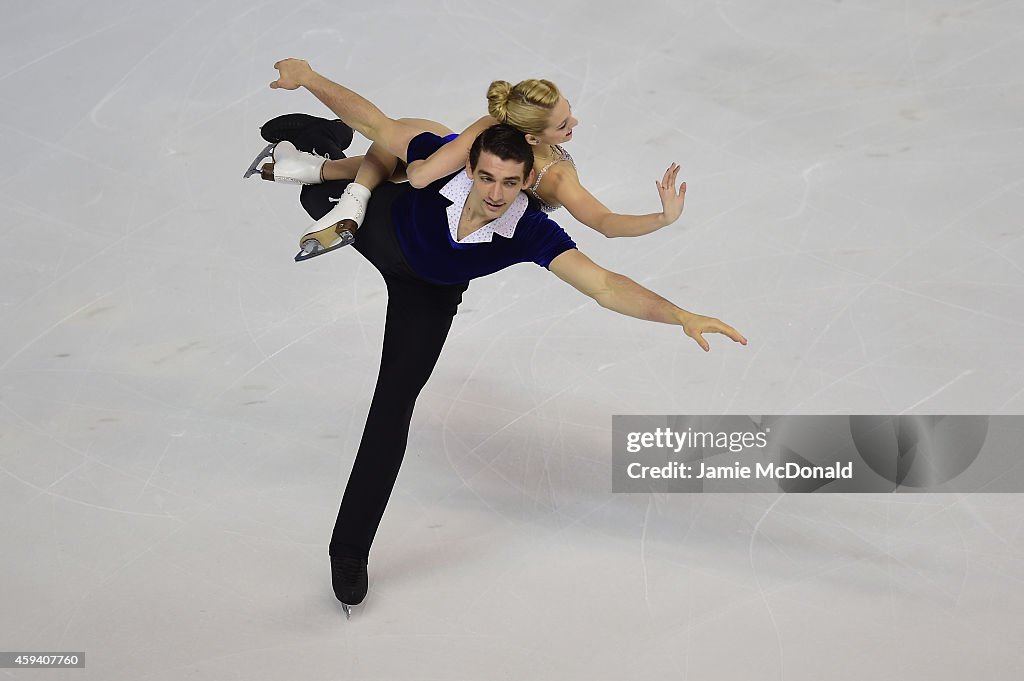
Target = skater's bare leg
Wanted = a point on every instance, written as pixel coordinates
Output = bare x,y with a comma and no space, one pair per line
340,225
353,109
426,125
341,169
380,157
349,168
377,166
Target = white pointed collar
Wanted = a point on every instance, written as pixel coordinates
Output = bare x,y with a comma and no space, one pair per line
457,191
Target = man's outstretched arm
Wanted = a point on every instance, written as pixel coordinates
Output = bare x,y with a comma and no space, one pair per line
623,295
353,109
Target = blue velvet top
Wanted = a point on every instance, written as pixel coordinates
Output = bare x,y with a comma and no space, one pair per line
421,226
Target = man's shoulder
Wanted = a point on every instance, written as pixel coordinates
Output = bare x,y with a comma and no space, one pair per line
535,217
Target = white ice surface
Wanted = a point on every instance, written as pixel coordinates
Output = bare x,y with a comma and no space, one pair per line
180,402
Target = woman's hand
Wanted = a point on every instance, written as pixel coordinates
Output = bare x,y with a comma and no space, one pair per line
671,200
293,74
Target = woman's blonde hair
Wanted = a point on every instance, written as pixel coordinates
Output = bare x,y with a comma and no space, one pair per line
526,105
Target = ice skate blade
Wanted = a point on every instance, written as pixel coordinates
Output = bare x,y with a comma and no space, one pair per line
311,247
350,608
268,152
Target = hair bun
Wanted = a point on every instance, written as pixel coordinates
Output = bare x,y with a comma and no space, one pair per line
497,100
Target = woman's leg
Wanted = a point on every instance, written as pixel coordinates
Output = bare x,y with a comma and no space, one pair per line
425,125
348,168
341,169
380,158
353,109
338,228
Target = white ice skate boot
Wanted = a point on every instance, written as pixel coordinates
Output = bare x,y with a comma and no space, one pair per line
338,227
288,164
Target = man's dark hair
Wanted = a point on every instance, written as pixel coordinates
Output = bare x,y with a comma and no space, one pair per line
506,143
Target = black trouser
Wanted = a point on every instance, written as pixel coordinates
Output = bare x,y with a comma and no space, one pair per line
418,319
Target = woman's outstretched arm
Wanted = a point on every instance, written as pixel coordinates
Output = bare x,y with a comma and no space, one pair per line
564,186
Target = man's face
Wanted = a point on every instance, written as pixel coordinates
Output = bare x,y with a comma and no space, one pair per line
496,184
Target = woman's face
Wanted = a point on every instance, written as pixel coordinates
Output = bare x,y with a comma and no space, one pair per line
560,124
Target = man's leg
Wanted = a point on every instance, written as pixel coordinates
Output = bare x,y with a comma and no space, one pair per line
419,316
418,319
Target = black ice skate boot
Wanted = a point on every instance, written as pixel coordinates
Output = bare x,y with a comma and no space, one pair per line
348,576
312,134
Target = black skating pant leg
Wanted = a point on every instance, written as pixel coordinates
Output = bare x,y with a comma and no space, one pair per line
418,319
419,316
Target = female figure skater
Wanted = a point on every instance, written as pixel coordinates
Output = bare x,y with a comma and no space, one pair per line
536,107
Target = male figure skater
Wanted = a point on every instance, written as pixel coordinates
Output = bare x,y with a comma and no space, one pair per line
428,244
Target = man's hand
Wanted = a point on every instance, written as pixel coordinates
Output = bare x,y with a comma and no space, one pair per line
294,73
696,324
671,201
621,294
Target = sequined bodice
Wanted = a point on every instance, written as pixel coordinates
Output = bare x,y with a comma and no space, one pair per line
563,155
